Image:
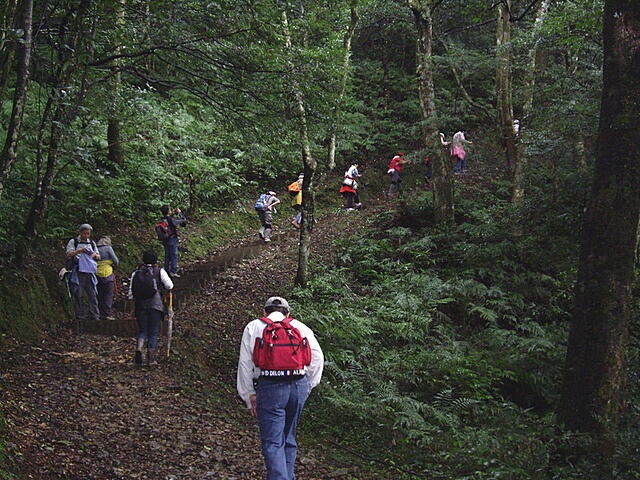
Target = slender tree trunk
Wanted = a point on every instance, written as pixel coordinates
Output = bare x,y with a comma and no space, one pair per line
116,155
503,81
442,182
595,375
348,37
7,47
521,159
9,152
63,111
310,166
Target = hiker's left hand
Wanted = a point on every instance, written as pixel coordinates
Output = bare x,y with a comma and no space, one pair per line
254,406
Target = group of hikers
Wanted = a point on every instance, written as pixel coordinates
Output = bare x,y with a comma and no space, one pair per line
280,360
349,189
89,273
457,154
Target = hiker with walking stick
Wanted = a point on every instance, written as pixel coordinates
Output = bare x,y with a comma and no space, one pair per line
145,288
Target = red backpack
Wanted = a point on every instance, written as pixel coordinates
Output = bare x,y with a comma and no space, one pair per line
281,347
162,230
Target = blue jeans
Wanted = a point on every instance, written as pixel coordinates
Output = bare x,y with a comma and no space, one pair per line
280,404
461,166
171,255
149,321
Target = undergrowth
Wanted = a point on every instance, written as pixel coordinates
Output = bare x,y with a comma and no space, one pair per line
445,349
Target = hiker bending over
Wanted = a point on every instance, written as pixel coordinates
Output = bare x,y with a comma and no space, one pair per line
395,170
82,257
349,188
173,218
106,278
265,206
145,288
276,393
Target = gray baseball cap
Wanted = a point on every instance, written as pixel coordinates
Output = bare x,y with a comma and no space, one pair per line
85,226
277,302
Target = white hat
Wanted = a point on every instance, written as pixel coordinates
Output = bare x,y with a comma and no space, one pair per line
277,302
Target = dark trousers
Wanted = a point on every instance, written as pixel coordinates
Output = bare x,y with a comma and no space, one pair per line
105,296
86,284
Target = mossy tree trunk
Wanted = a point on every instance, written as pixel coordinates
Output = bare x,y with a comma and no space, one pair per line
442,182
9,151
503,82
310,166
346,44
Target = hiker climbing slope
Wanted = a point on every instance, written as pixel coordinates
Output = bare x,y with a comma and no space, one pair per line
146,288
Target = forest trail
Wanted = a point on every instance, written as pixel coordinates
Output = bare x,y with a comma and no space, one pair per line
77,407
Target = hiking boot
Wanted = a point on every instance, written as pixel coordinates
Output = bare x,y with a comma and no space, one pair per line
137,359
174,275
151,357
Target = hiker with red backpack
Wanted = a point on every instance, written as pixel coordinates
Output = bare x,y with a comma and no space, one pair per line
146,288
280,362
167,232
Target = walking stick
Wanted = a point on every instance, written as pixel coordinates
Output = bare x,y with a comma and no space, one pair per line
169,323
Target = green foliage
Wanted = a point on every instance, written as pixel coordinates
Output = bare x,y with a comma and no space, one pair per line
30,304
447,348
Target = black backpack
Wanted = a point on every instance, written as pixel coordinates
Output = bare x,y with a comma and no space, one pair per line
146,282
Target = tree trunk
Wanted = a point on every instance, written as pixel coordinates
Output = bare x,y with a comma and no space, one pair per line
521,159
595,374
503,81
7,47
310,166
60,112
348,37
9,152
442,181
115,154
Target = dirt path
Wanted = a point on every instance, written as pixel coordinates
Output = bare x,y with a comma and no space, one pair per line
77,407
